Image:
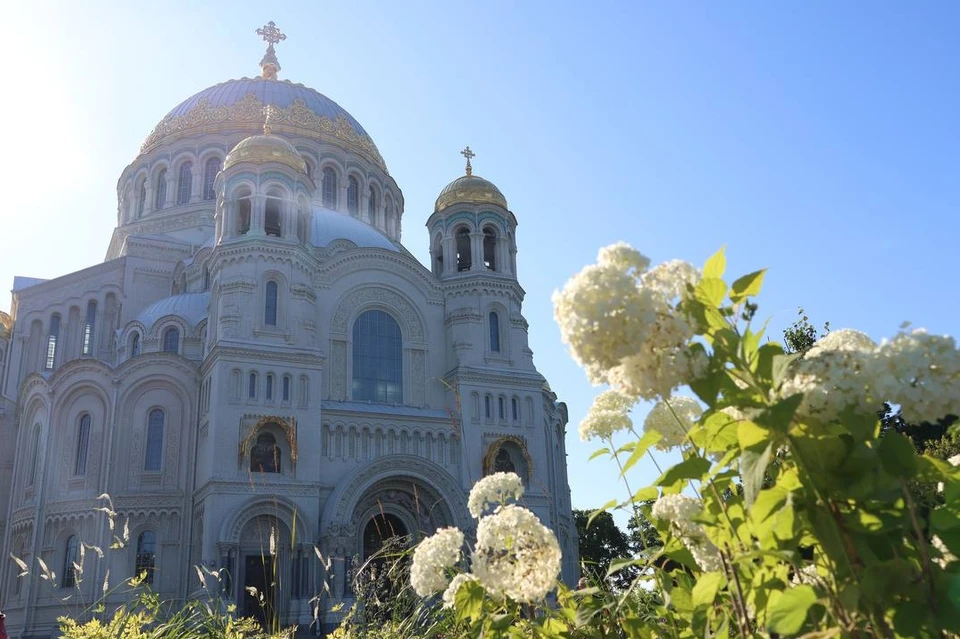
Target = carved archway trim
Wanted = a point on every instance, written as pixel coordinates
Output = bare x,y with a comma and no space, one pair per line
490,458
287,424
281,508
372,296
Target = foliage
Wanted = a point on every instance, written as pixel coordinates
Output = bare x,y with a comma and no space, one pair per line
800,336
601,542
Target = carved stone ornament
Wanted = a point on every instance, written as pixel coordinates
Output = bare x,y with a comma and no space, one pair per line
490,458
249,434
369,295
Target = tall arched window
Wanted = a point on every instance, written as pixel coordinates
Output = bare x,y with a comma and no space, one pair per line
377,358
494,320
372,206
146,560
515,409
438,256
252,386
503,463
185,183
271,217
268,391
353,196
243,216
490,248
285,389
142,199
88,326
210,170
35,462
52,336
161,195
171,340
154,458
270,304
265,454
463,249
83,438
134,344
329,188
69,559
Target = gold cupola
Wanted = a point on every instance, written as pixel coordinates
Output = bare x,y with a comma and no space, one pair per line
470,189
266,148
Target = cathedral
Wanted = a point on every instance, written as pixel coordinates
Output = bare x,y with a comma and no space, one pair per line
259,369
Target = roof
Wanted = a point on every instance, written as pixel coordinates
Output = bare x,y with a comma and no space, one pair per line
20,282
330,226
191,307
470,189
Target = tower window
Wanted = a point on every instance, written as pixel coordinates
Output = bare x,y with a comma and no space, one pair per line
252,386
142,199
146,555
438,256
210,171
329,188
515,408
265,454
134,344
271,217
494,320
83,438
372,206
285,389
171,340
185,183
35,463
270,305
463,249
377,358
501,405
52,338
152,461
161,195
243,216
88,327
490,249
268,394
69,559
487,408
353,196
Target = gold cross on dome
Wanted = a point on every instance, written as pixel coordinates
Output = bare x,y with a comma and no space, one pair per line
271,34
467,153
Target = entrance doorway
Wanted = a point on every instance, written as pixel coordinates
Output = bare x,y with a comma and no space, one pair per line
259,573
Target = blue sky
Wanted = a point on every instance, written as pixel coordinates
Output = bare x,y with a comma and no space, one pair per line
819,139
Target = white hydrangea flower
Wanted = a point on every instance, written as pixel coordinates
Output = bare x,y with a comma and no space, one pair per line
606,416
671,278
516,556
946,557
839,371
624,257
921,373
679,511
494,489
432,558
665,421
450,594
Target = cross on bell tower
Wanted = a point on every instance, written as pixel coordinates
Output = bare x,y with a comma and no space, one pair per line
269,64
467,153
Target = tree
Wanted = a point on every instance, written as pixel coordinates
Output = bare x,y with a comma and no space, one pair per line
801,335
644,537
600,543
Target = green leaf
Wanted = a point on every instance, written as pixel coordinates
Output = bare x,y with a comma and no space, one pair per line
752,435
649,438
747,286
469,600
716,264
779,416
602,509
706,588
786,613
644,494
753,465
711,291
597,453
898,455
691,468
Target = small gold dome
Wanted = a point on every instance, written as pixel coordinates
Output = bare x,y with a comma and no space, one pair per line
470,189
261,149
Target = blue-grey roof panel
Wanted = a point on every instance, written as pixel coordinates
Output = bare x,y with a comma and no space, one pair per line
192,307
329,226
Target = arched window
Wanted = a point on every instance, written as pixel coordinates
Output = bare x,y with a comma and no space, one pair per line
377,358
309,169
494,320
161,195
501,405
378,530
83,438
271,217
185,184
35,462
252,385
490,248
146,555
171,340
285,389
372,206
88,326
52,336
487,407
463,249
210,170
270,304
503,463
134,344
265,455
353,196
69,559
329,188
243,216
515,409
142,199
155,422
268,392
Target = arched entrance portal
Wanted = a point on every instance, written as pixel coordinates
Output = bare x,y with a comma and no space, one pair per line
264,553
379,531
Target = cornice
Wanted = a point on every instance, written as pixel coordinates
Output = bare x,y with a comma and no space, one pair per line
483,284
220,350
499,376
385,260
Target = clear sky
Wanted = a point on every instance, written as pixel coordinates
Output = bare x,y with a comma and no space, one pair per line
819,139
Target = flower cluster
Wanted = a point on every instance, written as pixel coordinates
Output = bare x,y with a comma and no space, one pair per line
607,415
679,511
493,489
433,557
673,419
516,556
921,373
450,594
623,325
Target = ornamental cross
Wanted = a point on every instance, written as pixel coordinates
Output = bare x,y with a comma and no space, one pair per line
271,34
467,153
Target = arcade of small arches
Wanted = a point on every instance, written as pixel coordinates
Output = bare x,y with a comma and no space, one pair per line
463,248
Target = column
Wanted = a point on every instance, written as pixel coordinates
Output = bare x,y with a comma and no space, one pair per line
196,182
476,252
449,255
256,223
